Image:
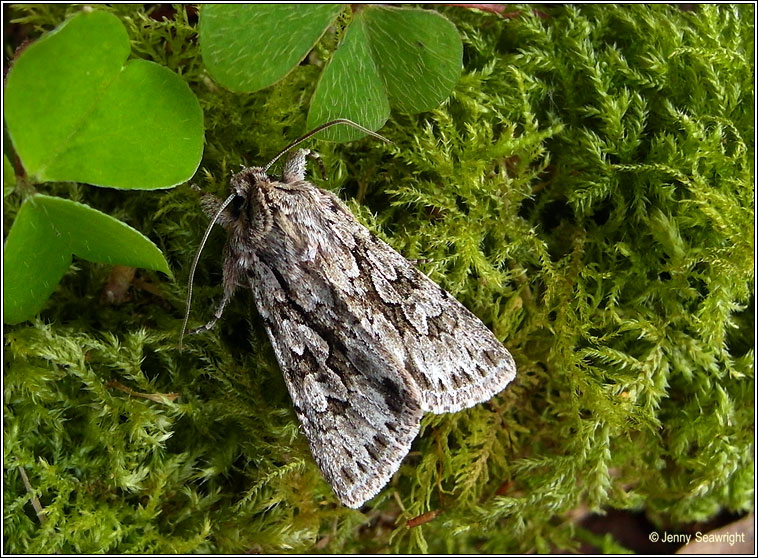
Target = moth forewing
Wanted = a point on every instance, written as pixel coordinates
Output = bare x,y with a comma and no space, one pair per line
365,341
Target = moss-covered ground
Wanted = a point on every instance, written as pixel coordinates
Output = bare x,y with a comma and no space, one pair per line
587,190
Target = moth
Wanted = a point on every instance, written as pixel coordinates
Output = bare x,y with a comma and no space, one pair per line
366,342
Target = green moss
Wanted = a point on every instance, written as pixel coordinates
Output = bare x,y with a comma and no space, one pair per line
587,190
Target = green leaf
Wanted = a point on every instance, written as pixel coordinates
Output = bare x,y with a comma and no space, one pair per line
45,234
9,177
350,87
249,47
418,52
407,58
76,110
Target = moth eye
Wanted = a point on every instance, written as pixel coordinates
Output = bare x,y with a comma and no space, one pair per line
238,202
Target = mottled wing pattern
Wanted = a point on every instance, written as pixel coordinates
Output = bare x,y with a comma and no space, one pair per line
452,356
454,359
366,342
359,412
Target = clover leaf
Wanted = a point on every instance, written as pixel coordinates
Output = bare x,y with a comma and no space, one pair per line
77,110
408,59
46,233
247,48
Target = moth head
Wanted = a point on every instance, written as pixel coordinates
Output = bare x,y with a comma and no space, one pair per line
234,214
246,193
244,181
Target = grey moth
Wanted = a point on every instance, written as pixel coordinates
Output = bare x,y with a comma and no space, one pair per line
367,343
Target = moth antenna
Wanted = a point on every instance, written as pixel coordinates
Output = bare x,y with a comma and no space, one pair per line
226,202
316,130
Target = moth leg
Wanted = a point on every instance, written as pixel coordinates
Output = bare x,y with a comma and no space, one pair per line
210,204
216,316
230,284
294,166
